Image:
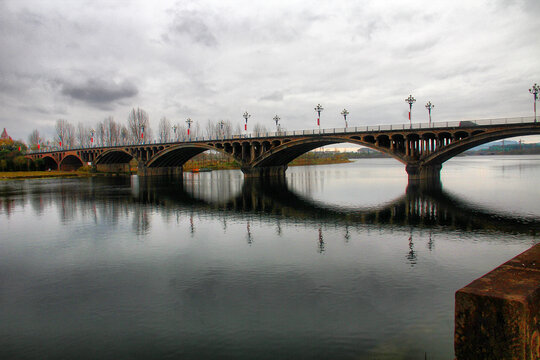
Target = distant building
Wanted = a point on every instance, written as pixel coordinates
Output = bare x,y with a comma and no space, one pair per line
5,135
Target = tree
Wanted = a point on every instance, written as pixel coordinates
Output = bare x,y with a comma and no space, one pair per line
164,130
34,139
137,120
259,129
111,131
65,133
82,135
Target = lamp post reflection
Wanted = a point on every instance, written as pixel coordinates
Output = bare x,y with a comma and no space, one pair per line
411,255
320,243
249,237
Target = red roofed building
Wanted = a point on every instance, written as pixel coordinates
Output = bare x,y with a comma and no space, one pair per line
5,135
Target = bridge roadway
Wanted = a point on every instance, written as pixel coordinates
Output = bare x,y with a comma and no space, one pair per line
422,148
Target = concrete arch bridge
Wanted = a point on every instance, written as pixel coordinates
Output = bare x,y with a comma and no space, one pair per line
422,148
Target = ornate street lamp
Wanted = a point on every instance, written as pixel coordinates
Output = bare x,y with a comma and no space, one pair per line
534,90
188,122
345,113
175,127
221,124
429,106
411,101
276,119
92,131
246,116
318,109
142,134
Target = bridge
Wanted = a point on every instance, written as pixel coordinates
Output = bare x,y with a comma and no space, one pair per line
422,148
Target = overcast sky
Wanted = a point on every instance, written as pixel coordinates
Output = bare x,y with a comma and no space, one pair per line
84,61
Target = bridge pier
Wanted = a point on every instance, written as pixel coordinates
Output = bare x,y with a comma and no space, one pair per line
112,168
426,176
159,171
264,172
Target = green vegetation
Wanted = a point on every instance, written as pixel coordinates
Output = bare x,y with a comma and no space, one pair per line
12,175
12,158
320,158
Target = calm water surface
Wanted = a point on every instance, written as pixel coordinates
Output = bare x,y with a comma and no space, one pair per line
337,261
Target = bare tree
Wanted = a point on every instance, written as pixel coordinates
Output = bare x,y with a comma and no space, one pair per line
100,134
82,135
65,133
139,126
238,129
34,139
259,129
164,130
111,131
124,135
181,132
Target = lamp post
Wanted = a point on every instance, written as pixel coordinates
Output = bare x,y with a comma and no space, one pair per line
318,109
175,127
411,101
345,113
276,119
188,122
246,116
429,106
534,90
221,124
92,131
142,134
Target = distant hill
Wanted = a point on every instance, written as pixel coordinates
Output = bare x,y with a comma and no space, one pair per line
495,143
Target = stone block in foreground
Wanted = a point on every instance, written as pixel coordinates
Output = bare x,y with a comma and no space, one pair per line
498,315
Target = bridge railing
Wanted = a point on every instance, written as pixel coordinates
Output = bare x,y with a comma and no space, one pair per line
316,132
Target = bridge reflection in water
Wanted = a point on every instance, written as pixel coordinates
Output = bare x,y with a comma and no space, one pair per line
261,200
418,207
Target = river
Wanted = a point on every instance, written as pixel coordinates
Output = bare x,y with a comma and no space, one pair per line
334,262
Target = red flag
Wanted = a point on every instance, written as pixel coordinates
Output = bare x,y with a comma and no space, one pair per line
409,115
38,146
187,131
318,122
142,135
91,140
60,143
245,127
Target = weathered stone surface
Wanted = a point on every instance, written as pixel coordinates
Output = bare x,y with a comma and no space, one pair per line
498,315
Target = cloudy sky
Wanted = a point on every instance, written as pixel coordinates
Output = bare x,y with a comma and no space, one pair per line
212,60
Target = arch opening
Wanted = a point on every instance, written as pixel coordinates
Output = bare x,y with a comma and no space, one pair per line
71,163
50,163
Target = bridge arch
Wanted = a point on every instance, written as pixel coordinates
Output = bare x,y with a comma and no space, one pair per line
71,162
285,153
471,141
176,156
113,156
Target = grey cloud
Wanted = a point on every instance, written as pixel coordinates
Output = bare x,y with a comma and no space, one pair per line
192,24
420,46
100,92
275,96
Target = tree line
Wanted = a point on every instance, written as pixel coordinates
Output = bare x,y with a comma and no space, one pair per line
110,132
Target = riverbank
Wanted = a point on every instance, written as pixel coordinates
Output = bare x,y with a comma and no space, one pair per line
17,175
189,166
